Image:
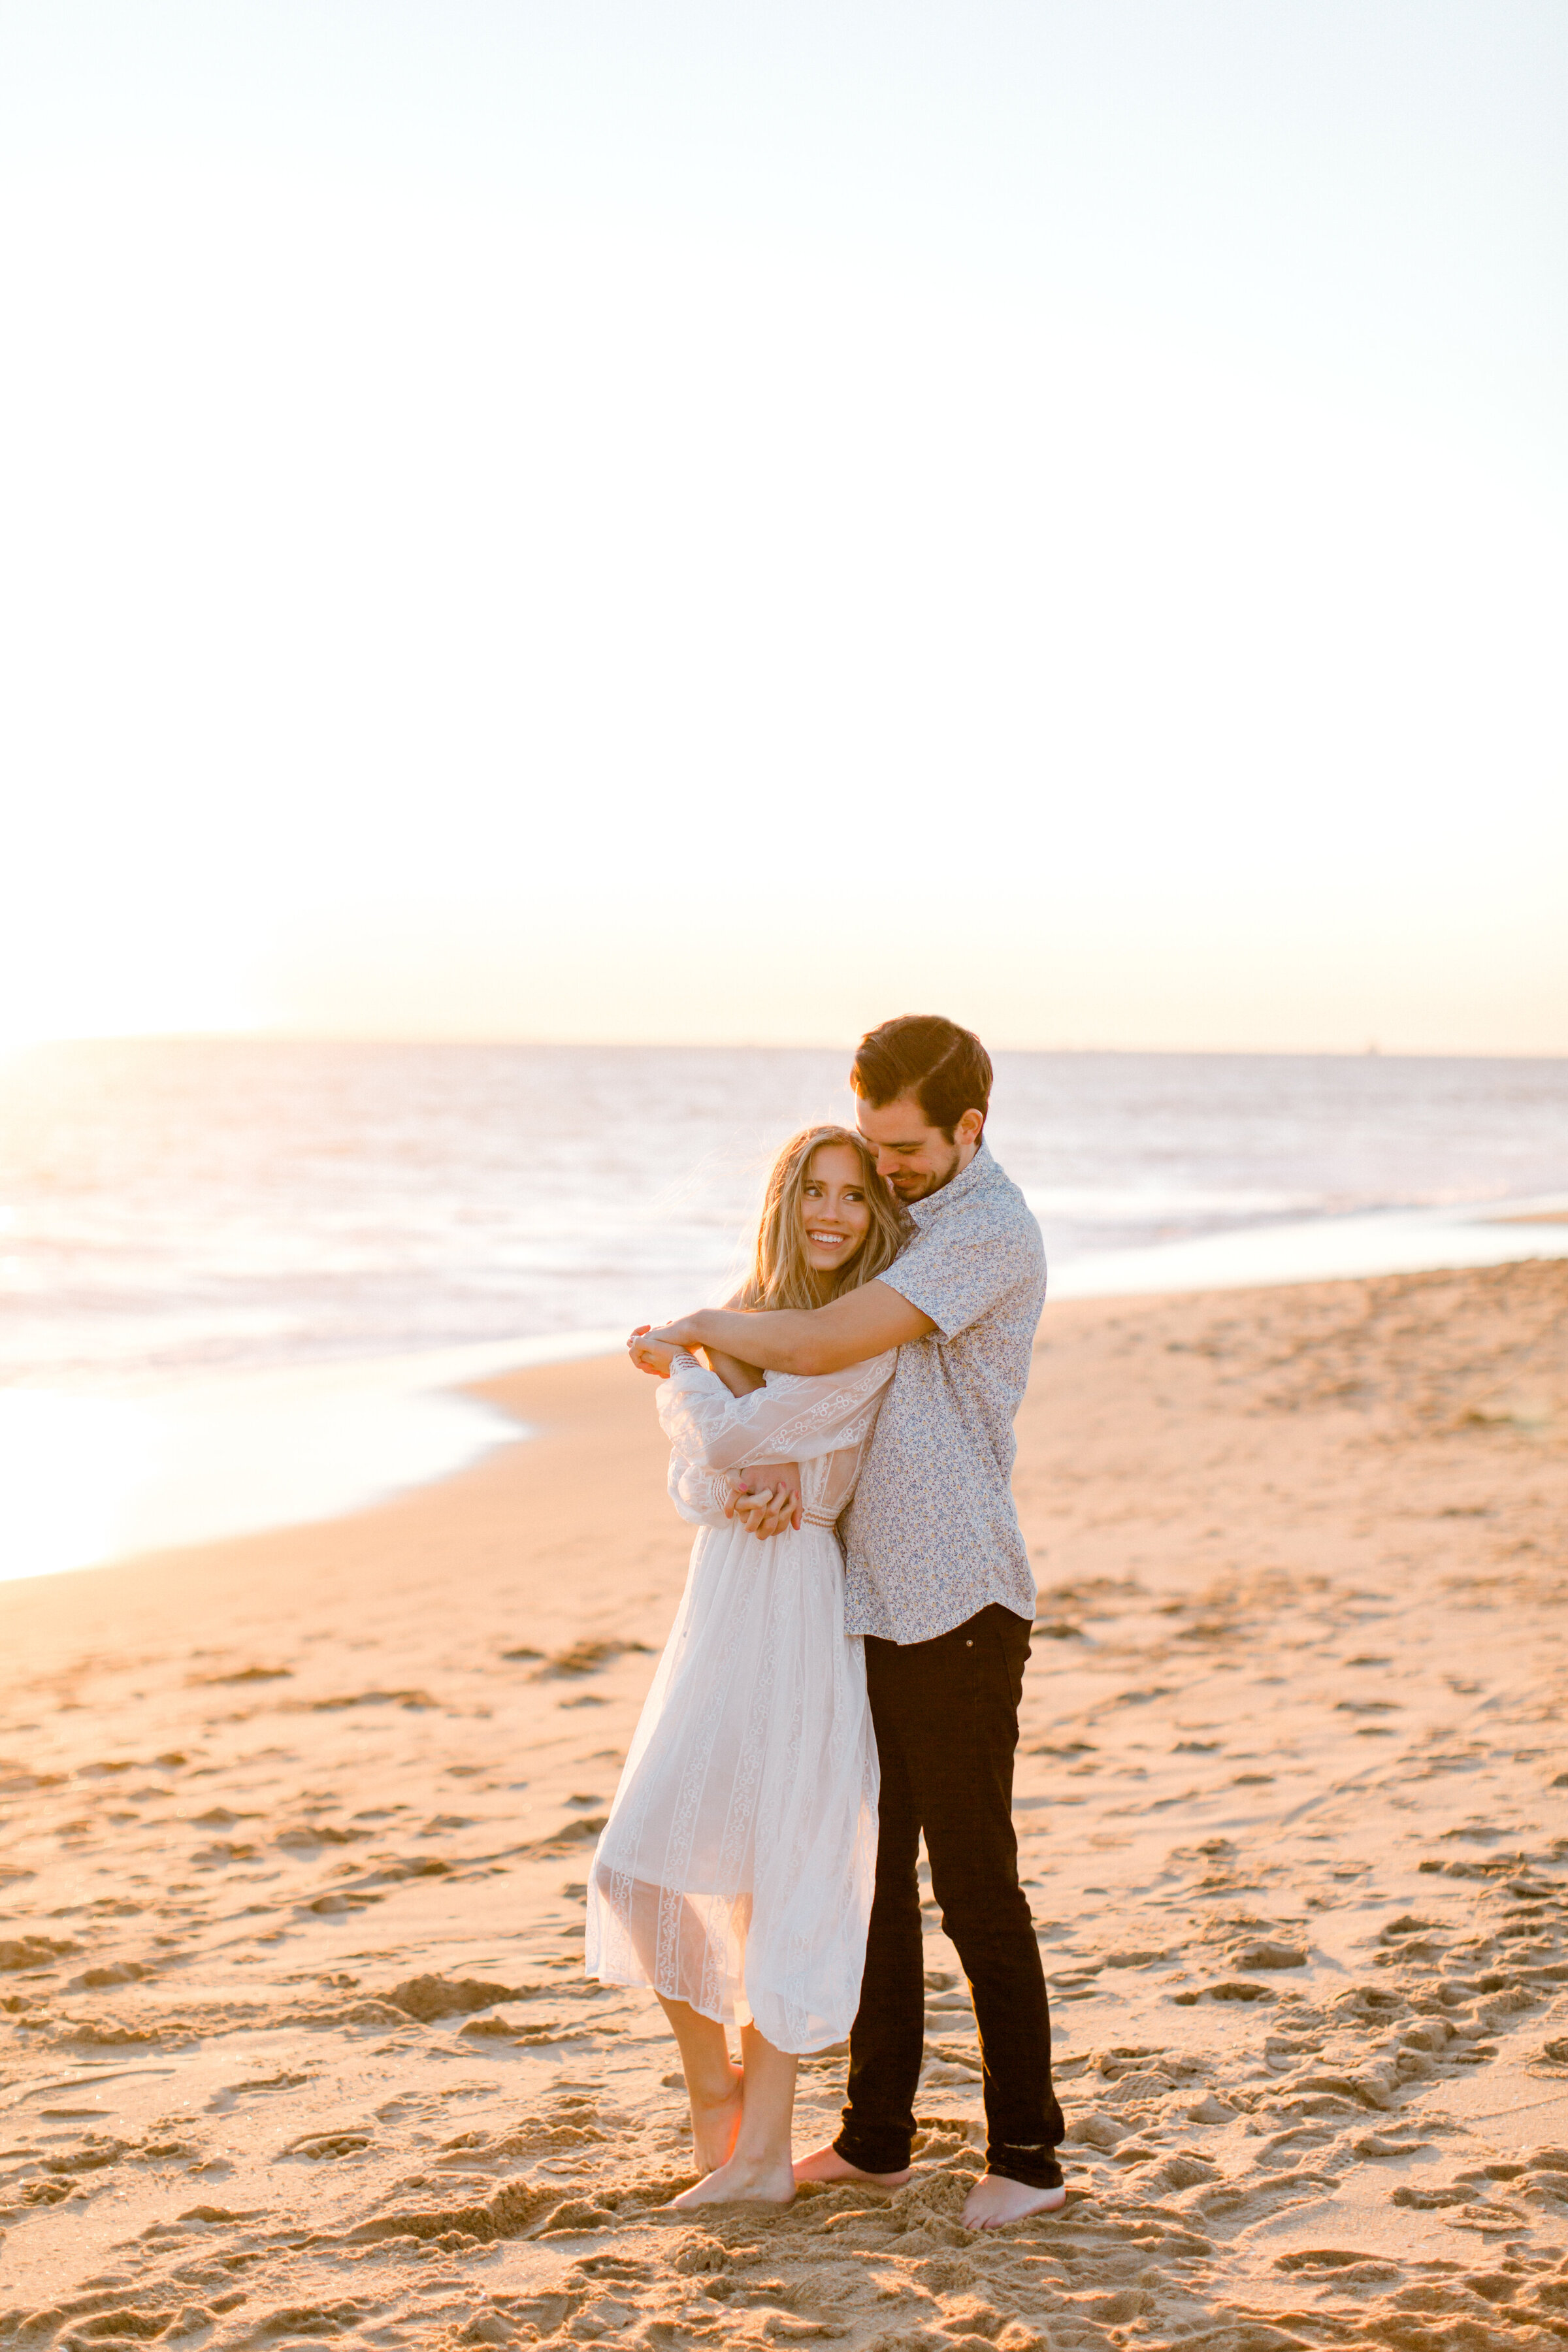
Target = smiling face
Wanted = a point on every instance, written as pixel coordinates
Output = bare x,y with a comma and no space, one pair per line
912,1157
827,1224
835,1213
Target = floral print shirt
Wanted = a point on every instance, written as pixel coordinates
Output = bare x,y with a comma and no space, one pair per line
932,1535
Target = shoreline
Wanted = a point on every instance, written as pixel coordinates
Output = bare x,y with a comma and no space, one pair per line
297,1826
244,1452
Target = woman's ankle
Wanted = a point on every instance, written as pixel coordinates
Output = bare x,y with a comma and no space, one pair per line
771,2164
709,2089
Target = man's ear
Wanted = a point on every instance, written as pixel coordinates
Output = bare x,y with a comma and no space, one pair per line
970,1127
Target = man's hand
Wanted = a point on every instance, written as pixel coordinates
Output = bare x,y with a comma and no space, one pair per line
767,1498
647,1354
651,1349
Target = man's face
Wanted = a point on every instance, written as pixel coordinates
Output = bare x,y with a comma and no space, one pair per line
913,1159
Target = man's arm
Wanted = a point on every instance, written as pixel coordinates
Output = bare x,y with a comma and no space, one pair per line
848,1330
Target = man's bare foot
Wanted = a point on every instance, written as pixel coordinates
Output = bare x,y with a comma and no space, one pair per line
742,2181
715,2124
994,2201
827,2164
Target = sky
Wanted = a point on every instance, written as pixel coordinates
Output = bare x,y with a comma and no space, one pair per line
705,521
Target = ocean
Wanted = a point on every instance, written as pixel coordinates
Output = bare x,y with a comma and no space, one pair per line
240,1278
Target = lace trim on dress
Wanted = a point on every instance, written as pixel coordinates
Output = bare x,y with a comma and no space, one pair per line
735,1871
792,1417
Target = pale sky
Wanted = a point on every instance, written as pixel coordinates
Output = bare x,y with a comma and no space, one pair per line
723,521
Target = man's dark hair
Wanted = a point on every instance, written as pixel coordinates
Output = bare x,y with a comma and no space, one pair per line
944,1068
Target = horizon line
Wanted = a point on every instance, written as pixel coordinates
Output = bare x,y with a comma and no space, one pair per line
1372,1051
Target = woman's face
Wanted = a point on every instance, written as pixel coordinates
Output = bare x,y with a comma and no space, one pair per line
835,1213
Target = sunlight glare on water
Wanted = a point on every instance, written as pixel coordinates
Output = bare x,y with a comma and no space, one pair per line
69,1466
239,1277
90,1478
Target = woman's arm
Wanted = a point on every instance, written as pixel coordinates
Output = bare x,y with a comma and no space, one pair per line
737,1377
649,1356
786,1420
767,1498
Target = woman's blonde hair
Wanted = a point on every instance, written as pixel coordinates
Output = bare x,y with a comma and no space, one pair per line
780,1275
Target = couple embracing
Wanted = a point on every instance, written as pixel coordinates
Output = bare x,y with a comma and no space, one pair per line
817,1709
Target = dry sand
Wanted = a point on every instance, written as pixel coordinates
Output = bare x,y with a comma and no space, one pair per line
297,2044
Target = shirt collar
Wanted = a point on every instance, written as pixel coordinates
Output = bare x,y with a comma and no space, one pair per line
968,1180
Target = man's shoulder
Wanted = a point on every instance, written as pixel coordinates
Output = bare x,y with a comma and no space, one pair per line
1000,1203
988,1237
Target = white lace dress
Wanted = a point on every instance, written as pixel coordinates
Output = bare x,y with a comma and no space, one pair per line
736,1867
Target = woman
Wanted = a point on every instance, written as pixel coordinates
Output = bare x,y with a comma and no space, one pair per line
735,1870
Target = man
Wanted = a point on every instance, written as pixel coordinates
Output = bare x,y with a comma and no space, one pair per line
938,1581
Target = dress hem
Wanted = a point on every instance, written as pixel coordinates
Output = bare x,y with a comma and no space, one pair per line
640,1984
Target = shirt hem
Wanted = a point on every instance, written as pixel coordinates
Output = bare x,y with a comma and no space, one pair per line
907,1641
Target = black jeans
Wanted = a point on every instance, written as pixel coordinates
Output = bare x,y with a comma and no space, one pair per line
946,1716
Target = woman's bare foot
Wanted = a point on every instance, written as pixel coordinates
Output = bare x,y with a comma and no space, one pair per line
741,2181
715,2123
994,2201
827,2164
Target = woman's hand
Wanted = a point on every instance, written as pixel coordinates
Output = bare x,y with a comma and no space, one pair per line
766,1498
765,1512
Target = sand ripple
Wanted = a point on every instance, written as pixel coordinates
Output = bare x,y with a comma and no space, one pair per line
295,2044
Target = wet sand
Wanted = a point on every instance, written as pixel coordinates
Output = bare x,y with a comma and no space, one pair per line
295,2044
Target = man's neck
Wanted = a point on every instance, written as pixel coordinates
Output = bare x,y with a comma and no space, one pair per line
967,1153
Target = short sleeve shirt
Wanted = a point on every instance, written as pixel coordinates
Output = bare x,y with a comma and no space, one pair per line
932,1534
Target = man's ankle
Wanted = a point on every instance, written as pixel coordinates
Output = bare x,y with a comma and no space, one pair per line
828,2166
1018,2179
875,2161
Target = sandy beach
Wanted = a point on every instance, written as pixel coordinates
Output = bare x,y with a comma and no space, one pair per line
295,2041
